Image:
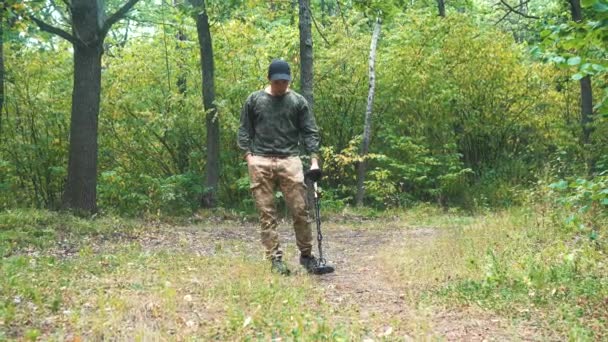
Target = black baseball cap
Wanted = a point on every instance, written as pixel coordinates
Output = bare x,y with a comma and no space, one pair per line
279,70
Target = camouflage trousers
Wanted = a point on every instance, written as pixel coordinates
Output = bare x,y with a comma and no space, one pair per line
265,173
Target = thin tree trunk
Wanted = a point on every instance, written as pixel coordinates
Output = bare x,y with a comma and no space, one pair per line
441,7
585,84
294,5
306,67
306,53
367,129
212,174
586,108
576,10
1,68
183,147
182,85
324,11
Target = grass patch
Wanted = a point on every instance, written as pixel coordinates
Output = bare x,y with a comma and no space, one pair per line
134,294
518,263
124,291
150,280
29,230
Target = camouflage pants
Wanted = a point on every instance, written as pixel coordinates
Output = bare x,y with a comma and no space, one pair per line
265,173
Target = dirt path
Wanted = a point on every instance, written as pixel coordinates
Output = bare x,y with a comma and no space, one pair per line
361,286
361,283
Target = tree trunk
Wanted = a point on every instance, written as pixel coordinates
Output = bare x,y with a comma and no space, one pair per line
576,10
183,148
89,28
585,84
81,186
80,189
306,68
586,108
362,167
182,85
212,174
1,68
323,12
294,5
441,7
306,53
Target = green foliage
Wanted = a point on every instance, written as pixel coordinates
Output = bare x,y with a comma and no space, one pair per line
33,153
126,193
586,201
583,47
466,98
580,49
463,116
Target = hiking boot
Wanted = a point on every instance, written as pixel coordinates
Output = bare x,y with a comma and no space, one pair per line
312,265
278,266
309,262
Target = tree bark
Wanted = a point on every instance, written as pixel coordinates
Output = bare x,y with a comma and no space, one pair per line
212,173
441,7
585,84
306,52
367,129
306,68
80,190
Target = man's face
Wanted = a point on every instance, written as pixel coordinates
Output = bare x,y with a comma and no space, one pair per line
279,87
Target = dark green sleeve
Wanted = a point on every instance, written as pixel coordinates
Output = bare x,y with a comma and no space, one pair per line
246,132
308,129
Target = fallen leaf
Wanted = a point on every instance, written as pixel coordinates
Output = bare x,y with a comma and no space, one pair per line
247,321
387,332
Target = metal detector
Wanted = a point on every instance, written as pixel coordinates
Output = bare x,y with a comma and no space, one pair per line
314,176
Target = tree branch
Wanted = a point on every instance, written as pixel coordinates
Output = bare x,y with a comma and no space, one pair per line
503,18
66,19
317,26
514,10
343,18
117,16
54,30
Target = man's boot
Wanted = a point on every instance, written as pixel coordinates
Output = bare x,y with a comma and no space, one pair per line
278,266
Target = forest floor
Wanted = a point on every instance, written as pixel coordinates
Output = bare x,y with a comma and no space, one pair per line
206,279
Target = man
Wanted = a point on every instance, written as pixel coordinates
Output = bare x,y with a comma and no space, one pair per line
273,122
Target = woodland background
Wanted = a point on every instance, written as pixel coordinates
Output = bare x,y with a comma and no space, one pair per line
468,169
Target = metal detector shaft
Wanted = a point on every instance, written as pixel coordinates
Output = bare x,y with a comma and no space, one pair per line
318,219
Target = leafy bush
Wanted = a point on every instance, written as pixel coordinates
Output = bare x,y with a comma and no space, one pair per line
136,194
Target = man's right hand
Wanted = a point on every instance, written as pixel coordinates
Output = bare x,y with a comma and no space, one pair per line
314,174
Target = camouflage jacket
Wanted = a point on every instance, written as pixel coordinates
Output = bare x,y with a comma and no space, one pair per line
275,125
